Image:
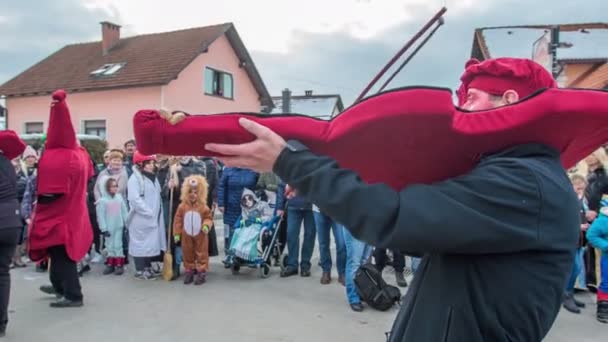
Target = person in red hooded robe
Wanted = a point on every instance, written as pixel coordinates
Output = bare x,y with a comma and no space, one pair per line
61,228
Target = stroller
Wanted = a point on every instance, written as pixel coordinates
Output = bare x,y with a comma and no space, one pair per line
256,244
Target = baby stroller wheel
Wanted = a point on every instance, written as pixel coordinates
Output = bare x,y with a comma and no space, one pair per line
264,270
235,268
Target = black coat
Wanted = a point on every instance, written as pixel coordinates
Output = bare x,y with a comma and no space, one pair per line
596,188
10,216
498,242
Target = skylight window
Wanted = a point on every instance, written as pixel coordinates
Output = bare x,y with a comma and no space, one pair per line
108,69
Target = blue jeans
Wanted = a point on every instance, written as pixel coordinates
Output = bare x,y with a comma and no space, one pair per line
356,253
604,272
576,270
294,222
324,225
415,264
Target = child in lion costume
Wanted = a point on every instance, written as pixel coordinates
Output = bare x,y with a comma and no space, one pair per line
192,222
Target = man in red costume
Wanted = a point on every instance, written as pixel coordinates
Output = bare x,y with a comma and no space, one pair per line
61,228
498,242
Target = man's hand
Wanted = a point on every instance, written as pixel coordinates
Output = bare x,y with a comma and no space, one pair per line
290,192
591,215
258,155
584,227
280,213
171,184
28,221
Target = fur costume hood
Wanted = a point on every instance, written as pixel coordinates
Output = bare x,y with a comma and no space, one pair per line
198,182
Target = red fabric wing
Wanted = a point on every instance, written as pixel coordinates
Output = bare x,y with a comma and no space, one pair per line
404,136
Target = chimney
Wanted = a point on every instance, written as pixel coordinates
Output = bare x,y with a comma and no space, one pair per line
308,93
286,101
110,35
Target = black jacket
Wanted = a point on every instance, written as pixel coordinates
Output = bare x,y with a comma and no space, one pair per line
499,241
10,216
598,186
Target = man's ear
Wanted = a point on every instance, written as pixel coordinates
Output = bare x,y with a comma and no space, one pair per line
510,96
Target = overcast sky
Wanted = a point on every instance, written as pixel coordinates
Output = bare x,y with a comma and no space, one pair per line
329,46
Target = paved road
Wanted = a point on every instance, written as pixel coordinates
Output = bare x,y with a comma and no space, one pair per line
226,308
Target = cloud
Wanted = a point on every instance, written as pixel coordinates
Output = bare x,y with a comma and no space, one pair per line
329,47
31,30
339,63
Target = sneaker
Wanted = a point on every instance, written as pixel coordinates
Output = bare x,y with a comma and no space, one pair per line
602,311
200,278
569,304
50,290
227,261
97,258
145,275
108,270
325,278
357,307
288,272
119,270
305,273
401,282
66,303
578,302
188,277
156,268
84,269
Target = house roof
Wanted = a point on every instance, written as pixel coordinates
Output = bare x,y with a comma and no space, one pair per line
517,40
318,106
150,59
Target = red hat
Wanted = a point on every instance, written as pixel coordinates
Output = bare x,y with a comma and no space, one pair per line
139,158
495,76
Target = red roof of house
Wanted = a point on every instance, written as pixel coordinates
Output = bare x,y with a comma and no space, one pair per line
150,59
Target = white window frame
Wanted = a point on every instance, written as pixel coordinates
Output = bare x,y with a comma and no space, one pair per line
83,126
106,68
33,122
224,71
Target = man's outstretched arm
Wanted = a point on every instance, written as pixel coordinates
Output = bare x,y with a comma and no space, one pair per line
494,209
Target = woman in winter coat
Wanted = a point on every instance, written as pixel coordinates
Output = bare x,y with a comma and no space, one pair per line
10,221
233,182
145,221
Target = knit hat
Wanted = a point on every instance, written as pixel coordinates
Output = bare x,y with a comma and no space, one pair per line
29,152
495,76
140,158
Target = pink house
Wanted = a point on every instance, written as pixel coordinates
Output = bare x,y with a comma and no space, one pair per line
198,70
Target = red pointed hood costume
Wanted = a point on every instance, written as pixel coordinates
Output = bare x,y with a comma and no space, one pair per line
416,134
64,170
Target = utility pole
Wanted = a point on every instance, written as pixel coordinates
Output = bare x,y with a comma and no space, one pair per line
553,50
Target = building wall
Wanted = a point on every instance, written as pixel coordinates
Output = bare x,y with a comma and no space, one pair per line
117,107
187,92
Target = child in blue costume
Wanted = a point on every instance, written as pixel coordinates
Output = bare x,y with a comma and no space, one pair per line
112,216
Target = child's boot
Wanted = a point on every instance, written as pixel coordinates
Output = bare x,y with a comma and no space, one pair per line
602,311
119,269
109,266
189,277
200,278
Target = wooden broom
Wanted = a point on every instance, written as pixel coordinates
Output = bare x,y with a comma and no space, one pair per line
168,259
